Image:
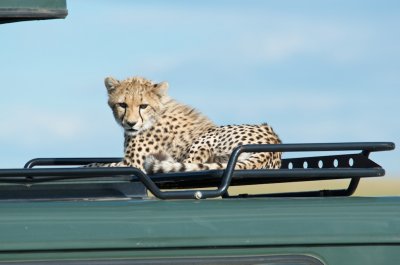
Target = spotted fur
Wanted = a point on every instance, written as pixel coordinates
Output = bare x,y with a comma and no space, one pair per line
162,135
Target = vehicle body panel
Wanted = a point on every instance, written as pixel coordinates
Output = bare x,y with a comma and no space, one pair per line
323,227
24,10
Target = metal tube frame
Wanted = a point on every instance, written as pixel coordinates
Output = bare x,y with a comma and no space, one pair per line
32,175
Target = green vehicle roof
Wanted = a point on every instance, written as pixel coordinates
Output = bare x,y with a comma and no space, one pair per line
24,10
137,224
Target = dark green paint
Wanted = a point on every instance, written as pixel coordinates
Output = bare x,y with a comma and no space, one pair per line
324,227
34,4
25,10
348,255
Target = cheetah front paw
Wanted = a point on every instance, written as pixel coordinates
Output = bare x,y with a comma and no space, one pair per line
157,163
92,165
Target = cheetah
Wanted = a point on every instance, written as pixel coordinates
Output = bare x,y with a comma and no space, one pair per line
162,135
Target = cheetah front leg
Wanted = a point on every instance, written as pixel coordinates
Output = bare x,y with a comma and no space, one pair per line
136,160
200,157
118,164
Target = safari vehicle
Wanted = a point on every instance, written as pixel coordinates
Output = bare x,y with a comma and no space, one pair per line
52,211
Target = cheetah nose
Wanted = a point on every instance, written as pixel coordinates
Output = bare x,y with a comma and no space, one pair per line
131,124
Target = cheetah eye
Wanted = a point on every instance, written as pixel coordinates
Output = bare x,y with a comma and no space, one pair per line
122,105
143,106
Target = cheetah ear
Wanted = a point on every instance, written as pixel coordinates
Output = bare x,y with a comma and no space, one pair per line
111,83
161,88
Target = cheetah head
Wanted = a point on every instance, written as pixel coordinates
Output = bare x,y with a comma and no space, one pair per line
136,102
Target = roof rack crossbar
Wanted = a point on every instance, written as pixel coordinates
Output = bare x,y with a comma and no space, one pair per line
69,161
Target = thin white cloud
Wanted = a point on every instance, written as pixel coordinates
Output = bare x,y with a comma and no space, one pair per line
32,126
254,37
162,63
326,40
257,105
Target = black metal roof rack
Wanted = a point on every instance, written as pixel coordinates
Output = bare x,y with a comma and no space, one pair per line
344,166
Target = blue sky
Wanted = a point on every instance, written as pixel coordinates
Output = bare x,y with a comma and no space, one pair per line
317,71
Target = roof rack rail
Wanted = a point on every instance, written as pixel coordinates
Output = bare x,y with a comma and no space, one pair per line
345,166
